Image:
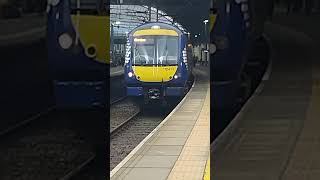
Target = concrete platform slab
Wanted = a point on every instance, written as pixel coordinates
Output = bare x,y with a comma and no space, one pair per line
179,149
275,136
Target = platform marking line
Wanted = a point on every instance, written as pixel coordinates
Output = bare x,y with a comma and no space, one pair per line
136,149
267,74
115,73
207,170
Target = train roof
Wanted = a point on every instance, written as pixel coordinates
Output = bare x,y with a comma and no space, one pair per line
158,25
132,16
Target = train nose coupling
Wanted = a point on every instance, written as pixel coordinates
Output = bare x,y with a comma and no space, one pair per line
154,93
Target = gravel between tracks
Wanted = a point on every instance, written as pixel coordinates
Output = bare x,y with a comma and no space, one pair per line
130,135
121,111
46,151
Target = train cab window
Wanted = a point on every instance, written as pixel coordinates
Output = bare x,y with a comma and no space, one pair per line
144,51
90,7
213,6
155,50
167,48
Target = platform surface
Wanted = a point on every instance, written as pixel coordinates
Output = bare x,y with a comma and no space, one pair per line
180,147
27,28
276,135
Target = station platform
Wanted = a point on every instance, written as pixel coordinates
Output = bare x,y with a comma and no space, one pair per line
276,134
179,147
24,29
116,71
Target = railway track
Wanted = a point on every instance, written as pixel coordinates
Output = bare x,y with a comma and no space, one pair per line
118,100
136,125
79,169
26,122
88,169
129,134
114,130
86,164
43,147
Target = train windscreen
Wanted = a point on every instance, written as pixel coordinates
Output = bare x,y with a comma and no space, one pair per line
90,7
155,50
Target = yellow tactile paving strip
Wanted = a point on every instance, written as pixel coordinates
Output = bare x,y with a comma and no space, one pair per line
192,161
207,171
183,135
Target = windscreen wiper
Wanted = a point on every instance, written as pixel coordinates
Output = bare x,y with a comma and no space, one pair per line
137,51
166,50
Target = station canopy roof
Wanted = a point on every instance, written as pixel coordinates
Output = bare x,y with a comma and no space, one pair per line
124,18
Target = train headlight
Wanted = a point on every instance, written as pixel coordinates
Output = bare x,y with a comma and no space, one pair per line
130,74
65,41
175,76
212,48
155,27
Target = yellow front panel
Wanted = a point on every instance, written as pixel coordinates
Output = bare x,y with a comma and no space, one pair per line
155,32
155,73
213,18
94,31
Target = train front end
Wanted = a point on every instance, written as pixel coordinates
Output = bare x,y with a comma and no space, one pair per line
156,66
78,52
